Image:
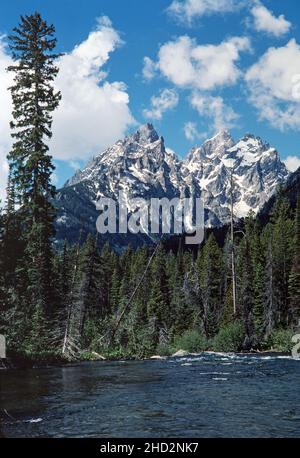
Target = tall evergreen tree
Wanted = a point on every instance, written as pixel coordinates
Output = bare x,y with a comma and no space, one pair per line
177,294
34,99
2,267
227,315
211,286
140,260
158,304
259,280
294,279
13,248
282,252
272,301
246,292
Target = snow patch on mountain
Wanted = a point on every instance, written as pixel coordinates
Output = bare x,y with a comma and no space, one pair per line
142,167
254,166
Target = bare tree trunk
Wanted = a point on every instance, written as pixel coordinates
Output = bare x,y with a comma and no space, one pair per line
70,305
232,249
119,319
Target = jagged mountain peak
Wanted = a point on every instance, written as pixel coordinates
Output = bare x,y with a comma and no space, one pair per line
253,141
141,166
212,148
145,134
256,168
221,136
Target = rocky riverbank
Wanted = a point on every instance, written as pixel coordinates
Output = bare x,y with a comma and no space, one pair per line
22,362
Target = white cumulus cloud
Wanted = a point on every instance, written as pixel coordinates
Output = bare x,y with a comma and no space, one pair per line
189,65
214,107
191,131
5,116
187,10
166,100
201,69
273,81
292,163
265,21
93,112
149,68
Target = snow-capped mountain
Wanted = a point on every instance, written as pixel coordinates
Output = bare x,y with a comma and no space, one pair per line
139,165
255,168
142,167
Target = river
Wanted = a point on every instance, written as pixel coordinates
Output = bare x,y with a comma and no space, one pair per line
194,396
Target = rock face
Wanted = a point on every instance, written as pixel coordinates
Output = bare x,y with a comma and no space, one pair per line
180,353
290,190
141,167
256,172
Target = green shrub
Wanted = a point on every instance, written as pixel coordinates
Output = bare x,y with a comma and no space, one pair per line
164,350
117,353
88,356
191,341
230,338
281,340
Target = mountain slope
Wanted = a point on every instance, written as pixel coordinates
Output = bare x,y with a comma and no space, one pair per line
291,190
139,165
255,167
142,167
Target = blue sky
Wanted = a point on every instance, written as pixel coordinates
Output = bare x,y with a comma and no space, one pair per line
234,65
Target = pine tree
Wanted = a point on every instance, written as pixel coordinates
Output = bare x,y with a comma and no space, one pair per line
125,285
294,279
282,252
85,300
211,286
158,310
14,276
272,302
34,99
13,248
253,279
177,299
2,281
139,305
64,263
90,282
107,269
227,315
115,287
246,291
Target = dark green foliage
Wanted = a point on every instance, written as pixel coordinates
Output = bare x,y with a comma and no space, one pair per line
246,288
181,304
272,303
210,270
294,279
281,340
192,341
27,240
227,313
164,350
230,338
158,303
282,236
278,238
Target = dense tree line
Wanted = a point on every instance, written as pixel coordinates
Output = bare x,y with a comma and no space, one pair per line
185,299
80,298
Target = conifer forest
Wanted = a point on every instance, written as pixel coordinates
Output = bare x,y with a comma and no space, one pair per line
76,300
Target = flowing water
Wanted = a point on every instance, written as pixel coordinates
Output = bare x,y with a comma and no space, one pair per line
199,396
